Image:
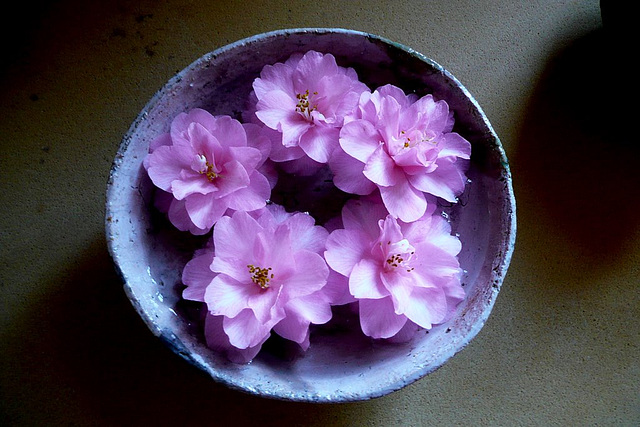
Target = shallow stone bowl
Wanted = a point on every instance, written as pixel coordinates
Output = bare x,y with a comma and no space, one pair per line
341,364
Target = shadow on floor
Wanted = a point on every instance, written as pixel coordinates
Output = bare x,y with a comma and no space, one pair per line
80,355
576,163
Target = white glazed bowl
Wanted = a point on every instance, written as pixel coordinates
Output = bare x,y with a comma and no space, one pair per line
341,364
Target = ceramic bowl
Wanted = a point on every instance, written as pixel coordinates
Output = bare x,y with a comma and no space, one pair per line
341,364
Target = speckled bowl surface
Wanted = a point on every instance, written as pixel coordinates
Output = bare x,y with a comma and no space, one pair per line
341,364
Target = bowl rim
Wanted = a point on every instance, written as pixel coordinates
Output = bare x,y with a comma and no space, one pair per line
498,274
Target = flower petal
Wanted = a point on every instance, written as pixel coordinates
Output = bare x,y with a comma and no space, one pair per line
245,331
181,123
405,334
200,141
319,142
365,281
314,308
264,304
164,167
230,132
447,181
359,139
337,289
390,231
381,169
274,77
308,235
299,314
275,107
164,139
427,306
337,96
435,263
364,215
233,267
389,117
234,237
204,211
454,291
233,177
436,231
309,276
345,248
261,138
191,184
293,127
272,248
452,144
197,275
180,218
348,175
378,318
398,94
252,197
218,340
280,153
225,296
249,157
400,284
294,328
403,201
311,68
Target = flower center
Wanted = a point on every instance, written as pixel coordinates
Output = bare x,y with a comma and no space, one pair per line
414,139
407,140
303,106
211,175
206,167
260,276
399,255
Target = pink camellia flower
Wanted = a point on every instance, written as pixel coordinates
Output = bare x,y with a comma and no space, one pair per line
197,275
405,147
207,165
263,273
400,273
291,160
306,99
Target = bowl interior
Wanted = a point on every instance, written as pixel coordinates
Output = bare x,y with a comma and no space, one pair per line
341,364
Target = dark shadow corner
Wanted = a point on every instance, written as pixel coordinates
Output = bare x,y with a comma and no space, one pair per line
578,150
79,354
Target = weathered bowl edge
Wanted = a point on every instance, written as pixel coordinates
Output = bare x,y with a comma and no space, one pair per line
499,271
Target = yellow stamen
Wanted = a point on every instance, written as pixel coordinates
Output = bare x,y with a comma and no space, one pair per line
211,175
395,260
303,106
260,276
